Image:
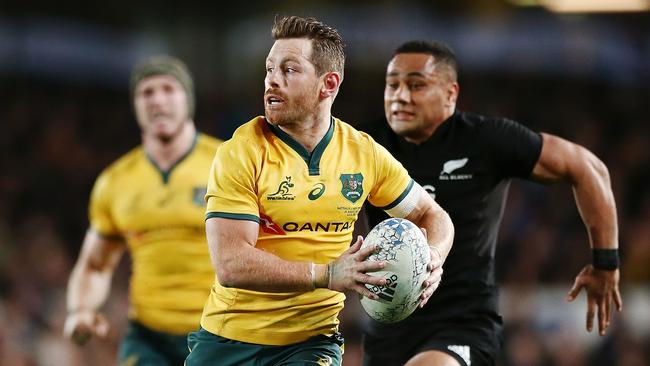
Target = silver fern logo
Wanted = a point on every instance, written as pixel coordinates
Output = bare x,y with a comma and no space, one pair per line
451,166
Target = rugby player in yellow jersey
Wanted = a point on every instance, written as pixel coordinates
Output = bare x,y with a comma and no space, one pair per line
150,202
283,196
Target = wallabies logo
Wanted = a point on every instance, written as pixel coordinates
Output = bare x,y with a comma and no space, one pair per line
283,194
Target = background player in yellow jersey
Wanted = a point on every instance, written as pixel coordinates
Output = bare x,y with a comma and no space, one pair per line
283,196
150,202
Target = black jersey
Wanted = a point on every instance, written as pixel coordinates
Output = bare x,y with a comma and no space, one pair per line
466,166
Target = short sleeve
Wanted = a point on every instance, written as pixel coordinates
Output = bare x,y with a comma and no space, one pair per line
99,210
232,185
392,183
516,148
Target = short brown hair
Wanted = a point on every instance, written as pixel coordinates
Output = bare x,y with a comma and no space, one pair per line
328,52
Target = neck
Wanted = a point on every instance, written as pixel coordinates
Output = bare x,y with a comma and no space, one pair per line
309,132
165,153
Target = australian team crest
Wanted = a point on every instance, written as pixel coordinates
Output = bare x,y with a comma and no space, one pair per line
198,195
352,186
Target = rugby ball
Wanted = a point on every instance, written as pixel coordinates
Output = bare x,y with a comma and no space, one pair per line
405,250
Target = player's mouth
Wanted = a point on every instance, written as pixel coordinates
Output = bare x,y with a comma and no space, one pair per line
273,100
159,115
400,114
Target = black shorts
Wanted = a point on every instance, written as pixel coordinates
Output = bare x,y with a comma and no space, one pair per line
470,340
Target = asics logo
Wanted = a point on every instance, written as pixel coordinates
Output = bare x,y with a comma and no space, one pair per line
317,191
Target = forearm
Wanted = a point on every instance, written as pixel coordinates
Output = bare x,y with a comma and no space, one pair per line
562,160
439,227
258,270
238,263
595,202
87,289
442,230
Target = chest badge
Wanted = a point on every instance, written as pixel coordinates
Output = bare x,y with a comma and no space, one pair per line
198,194
450,166
352,186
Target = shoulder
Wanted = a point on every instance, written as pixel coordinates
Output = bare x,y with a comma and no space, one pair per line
489,128
122,167
125,163
351,135
208,142
247,140
252,130
483,123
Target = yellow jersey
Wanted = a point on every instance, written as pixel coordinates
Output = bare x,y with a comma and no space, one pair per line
306,205
160,215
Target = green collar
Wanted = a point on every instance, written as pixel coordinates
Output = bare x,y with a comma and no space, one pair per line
313,159
166,174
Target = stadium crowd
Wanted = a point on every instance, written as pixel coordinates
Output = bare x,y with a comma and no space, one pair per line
56,138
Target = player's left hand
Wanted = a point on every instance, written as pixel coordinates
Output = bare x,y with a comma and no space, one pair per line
435,267
602,290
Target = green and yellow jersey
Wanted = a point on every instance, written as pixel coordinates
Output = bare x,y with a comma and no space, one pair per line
306,205
160,215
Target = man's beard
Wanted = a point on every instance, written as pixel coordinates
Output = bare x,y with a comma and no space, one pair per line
295,112
167,138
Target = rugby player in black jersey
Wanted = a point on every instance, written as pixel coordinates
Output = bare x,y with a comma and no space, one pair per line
466,162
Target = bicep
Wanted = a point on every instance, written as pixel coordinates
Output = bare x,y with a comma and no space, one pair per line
558,160
423,204
227,237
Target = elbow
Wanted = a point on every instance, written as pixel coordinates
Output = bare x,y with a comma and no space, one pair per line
228,274
225,278
597,167
601,169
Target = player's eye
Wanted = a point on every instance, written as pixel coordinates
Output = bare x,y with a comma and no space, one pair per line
392,85
415,86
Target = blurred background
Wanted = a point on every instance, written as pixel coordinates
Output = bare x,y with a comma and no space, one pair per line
65,115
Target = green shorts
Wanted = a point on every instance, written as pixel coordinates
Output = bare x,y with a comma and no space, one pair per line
143,346
208,349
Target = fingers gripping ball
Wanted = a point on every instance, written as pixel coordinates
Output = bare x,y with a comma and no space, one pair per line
403,247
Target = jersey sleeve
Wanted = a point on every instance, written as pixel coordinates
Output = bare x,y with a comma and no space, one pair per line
99,210
515,147
232,185
392,183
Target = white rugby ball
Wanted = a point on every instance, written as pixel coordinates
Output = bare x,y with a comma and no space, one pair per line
404,248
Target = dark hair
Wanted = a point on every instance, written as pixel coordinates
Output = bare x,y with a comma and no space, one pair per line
327,45
440,52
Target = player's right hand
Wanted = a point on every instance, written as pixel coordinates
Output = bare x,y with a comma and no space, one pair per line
602,294
81,325
349,271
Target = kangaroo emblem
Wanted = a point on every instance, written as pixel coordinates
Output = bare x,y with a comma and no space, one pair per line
283,191
284,187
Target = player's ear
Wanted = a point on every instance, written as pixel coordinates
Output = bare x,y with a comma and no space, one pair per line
331,83
452,93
